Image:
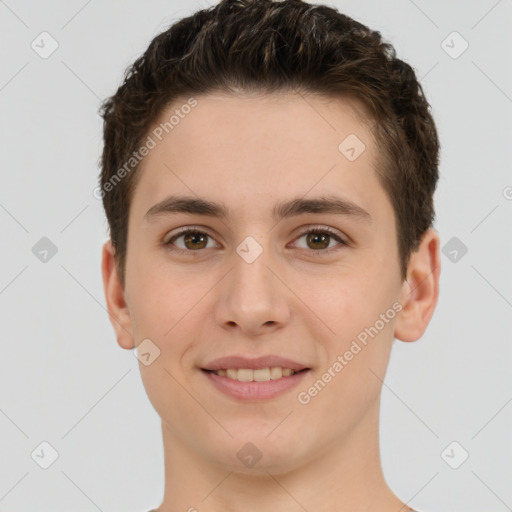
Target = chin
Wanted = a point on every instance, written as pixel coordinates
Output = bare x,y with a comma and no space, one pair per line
256,452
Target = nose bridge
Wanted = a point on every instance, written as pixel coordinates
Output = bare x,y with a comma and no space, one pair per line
251,296
251,278
251,257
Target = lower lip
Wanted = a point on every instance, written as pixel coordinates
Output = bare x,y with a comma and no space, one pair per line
254,391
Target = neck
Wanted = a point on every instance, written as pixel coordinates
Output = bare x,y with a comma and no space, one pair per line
346,477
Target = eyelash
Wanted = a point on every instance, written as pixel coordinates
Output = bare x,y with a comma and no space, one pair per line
316,252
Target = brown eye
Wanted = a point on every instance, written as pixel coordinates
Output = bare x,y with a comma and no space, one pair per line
193,240
318,240
196,240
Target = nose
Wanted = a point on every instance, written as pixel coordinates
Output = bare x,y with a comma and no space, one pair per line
252,298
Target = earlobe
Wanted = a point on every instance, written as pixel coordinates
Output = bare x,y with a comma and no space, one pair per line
420,291
115,298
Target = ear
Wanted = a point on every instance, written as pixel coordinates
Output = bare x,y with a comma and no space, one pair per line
420,290
114,295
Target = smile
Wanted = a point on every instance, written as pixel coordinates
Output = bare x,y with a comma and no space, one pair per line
243,385
259,375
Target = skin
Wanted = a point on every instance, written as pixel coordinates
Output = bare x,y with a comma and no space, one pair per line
251,152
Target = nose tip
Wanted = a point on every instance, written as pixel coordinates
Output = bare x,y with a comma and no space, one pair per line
251,298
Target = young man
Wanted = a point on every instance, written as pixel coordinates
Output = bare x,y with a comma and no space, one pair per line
268,176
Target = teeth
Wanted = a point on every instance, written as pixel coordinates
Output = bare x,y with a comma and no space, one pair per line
259,375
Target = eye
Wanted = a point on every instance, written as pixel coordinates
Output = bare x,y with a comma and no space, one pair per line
318,239
193,240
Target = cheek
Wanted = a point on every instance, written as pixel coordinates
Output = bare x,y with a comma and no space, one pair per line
167,311
168,307
361,310
157,293
356,361
351,301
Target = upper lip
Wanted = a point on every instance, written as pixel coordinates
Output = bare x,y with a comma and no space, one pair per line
223,363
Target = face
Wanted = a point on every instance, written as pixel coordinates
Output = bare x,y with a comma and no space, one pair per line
279,275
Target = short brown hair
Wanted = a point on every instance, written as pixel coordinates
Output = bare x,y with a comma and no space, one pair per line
268,46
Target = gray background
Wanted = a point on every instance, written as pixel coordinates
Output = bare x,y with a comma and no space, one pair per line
64,379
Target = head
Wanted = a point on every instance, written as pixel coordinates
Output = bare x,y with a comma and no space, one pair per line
268,47
252,108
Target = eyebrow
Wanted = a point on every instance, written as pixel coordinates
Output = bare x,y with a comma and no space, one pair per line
198,206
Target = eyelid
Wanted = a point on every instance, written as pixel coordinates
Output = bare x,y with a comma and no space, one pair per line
184,230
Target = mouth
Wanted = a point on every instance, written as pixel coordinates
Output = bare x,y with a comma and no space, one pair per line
255,375
257,384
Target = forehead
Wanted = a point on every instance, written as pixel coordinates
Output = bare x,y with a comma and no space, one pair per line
248,149
247,119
